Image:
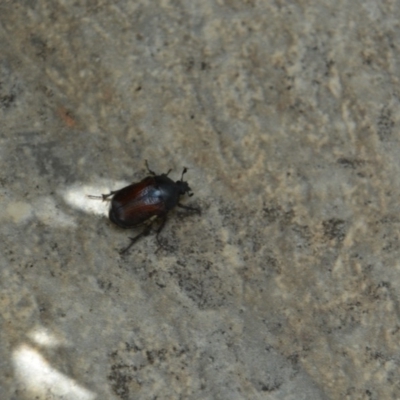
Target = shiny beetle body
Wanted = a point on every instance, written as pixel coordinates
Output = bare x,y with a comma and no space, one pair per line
153,196
146,201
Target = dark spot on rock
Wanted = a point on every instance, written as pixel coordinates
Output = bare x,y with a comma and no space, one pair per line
385,124
334,229
119,378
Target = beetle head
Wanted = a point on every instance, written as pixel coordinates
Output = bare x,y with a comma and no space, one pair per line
183,187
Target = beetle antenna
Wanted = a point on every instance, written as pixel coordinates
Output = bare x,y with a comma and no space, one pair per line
183,173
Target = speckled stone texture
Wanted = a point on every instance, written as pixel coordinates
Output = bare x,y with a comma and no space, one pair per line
287,116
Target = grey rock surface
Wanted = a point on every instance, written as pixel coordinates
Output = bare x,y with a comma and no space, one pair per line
287,116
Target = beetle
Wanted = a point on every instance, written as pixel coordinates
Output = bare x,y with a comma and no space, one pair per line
144,202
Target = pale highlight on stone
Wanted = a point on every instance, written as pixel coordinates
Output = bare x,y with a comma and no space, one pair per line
44,337
19,211
77,196
42,381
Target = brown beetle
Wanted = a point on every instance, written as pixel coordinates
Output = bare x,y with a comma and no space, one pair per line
146,201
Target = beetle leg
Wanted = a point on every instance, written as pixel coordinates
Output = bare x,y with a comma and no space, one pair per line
148,169
183,173
189,208
103,196
160,228
152,172
144,232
